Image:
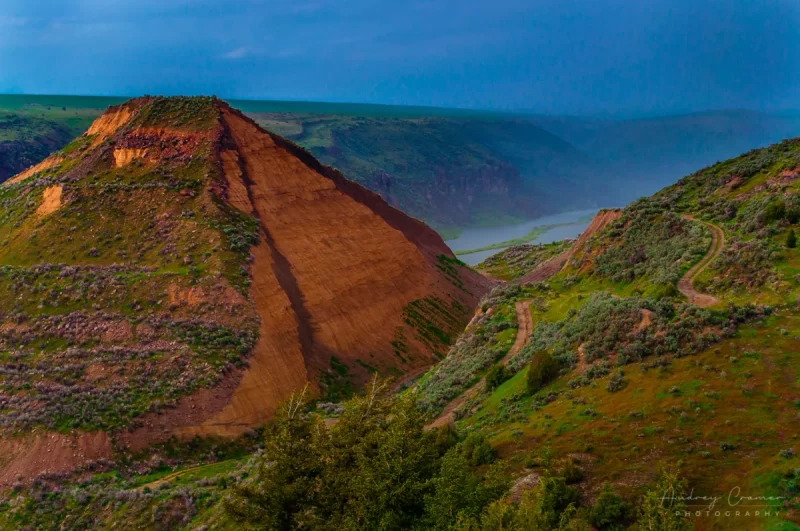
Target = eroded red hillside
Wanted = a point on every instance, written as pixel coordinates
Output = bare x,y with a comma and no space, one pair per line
338,285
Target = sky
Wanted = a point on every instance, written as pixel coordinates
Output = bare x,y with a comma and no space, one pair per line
599,57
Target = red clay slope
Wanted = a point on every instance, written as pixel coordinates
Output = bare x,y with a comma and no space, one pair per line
337,273
333,276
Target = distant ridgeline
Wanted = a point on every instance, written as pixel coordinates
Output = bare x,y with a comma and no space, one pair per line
448,167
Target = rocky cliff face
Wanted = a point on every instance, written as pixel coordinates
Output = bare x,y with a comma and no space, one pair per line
191,270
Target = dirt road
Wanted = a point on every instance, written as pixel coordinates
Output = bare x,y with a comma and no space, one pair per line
686,284
523,333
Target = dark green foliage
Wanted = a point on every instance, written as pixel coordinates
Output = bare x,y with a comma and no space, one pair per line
609,510
446,438
496,376
553,497
285,477
570,472
543,369
791,239
775,211
458,493
477,449
377,468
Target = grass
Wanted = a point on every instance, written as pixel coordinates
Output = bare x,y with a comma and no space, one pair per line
748,407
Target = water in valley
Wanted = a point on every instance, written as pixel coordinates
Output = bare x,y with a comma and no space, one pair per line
564,225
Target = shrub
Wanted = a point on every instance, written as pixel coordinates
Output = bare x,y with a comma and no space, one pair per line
616,382
496,376
774,211
553,496
791,239
477,449
571,473
543,369
609,510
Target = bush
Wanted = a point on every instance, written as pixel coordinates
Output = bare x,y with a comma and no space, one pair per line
553,496
543,369
477,449
496,376
616,382
791,239
775,211
571,473
609,510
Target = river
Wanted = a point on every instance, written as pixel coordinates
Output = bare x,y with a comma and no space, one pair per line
570,225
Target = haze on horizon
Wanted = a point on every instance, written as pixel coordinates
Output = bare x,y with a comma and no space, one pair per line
550,56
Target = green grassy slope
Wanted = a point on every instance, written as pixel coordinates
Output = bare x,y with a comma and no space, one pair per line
648,381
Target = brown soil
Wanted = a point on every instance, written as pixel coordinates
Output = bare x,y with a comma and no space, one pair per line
686,284
546,269
109,123
647,320
126,156
334,271
49,453
51,200
46,164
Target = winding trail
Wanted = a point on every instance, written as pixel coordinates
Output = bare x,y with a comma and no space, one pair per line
523,333
178,473
686,284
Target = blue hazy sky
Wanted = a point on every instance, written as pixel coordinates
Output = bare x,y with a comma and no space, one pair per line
554,56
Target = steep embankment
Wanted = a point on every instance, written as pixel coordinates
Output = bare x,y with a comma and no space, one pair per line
218,269
558,262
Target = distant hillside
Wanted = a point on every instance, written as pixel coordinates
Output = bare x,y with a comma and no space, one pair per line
448,167
640,156
453,168
451,171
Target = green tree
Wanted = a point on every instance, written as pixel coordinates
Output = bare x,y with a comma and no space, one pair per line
609,510
379,463
477,449
459,494
373,469
543,369
791,239
662,507
283,484
774,211
496,376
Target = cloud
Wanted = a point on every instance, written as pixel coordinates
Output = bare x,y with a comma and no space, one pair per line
238,53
